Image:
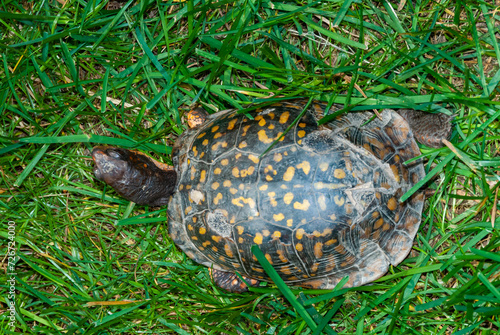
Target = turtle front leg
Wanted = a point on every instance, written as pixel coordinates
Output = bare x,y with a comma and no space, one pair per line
231,282
135,176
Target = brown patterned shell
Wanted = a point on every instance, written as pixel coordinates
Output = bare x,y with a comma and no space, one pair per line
321,204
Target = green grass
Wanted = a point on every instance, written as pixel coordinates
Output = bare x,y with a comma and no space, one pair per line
77,75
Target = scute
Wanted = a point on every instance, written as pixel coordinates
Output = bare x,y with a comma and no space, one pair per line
322,203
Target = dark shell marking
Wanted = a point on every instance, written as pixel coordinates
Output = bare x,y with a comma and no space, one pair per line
321,204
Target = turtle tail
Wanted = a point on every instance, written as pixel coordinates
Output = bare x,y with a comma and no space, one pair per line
428,129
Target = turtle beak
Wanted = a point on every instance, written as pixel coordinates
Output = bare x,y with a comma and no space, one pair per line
98,157
107,168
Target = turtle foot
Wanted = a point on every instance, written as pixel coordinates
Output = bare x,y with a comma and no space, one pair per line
231,282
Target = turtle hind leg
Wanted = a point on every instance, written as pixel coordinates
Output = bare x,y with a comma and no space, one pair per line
231,282
429,129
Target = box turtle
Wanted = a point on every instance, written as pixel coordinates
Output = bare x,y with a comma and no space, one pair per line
321,201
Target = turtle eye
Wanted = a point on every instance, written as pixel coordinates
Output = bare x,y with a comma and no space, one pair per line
114,153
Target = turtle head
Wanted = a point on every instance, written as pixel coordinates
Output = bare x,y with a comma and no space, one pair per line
134,175
111,164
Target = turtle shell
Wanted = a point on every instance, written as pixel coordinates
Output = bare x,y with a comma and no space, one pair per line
320,201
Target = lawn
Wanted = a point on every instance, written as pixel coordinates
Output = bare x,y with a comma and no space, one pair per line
79,259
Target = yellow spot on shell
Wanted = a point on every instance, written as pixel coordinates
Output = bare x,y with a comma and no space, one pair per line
338,200
262,122
215,128
290,172
323,166
202,231
217,135
284,117
301,133
299,247
195,151
286,270
216,238
302,206
205,141
247,172
276,234
228,251
242,145
278,217
227,183
330,242
240,202
269,178
190,227
233,190
269,259
217,171
289,222
201,135
214,249
217,198
253,158
318,252
299,233
224,162
263,187
395,170
305,166
258,238
281,255
392,204
266,232
263,136
278,157
339,174
231,124
219,144
245,129
203,175
322,202
378,223
215,185
240,229
302,125
331,186
236,172
288,198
